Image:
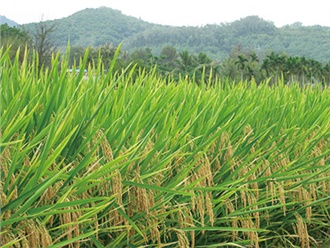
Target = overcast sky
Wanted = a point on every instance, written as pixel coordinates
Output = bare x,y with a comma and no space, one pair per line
177,12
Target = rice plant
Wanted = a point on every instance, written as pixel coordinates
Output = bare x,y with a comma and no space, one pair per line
116,160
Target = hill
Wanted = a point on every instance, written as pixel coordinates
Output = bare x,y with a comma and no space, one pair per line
95,27
4,20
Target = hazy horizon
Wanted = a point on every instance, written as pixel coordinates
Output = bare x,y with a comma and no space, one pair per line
176,13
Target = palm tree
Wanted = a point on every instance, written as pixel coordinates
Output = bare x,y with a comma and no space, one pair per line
292,68
240,63
107,52
250,72
326,74
254,58
273,63
302,68
186,63
266,66
314,69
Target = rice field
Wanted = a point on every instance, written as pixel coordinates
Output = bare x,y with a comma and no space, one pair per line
112,160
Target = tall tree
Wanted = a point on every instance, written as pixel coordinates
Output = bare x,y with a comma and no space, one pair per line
167,60
326,74
241,64
43,42
186,62
254,57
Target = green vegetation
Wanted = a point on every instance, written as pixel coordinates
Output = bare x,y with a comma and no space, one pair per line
13,38
240,66
96,27
129,158
250,48
5,20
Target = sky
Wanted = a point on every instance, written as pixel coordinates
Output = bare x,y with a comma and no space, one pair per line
177,12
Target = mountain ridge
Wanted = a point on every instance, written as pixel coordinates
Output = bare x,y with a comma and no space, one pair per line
96,27
4,20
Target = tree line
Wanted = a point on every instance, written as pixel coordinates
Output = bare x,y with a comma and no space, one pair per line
239,66
173,63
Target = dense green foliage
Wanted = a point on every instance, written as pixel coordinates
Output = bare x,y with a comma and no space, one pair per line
13,38
126,159
241,65
95,27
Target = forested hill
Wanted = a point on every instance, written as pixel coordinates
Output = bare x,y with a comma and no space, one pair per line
96,27
10,23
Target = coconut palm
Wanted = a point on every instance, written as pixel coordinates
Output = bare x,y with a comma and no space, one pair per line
241,64
326,74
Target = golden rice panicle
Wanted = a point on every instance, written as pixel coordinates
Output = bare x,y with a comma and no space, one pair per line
312,191
46,239
70,220
96,224
189,221
117,186
252,200
5,160
251,195
230,208
183,241
5,163
76,228
200,205
284,160
215,159
270,183
4,201
217,165
154,231
198,198
209,207
205,171
243,199
202,201
24,243
251,235
281,193
185,219
254,185
307,199
229,151
105,147
7,237
142,199
32,233
302,231
117,191
226,146
139,200
180,215
67,220
318,150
